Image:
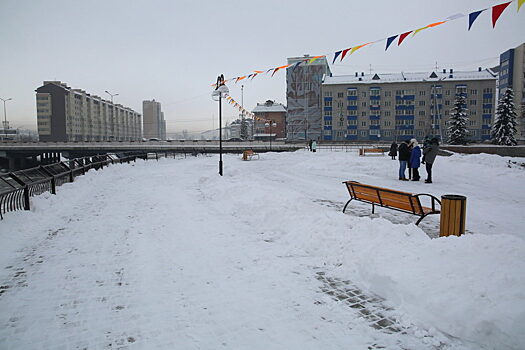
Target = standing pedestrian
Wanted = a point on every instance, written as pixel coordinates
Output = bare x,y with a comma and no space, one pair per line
310,145
429,156
415,159
404,156
393,150
314,146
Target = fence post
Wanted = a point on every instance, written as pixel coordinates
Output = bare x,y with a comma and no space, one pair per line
26,190
453,215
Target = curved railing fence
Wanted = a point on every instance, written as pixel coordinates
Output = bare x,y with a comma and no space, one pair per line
17,187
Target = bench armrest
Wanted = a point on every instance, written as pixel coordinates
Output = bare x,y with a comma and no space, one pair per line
433,198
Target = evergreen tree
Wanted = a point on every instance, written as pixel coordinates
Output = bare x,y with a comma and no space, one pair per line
504,126
457,130
244,129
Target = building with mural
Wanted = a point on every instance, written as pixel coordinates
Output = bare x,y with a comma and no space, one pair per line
303,98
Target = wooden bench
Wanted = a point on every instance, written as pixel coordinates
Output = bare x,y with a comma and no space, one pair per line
364,151
392,199
249,154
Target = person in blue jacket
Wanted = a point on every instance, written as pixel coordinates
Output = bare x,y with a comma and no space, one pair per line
415,159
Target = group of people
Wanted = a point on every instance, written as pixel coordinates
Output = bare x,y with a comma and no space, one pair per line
410,157
312,145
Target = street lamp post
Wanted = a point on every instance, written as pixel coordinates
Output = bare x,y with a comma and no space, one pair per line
217,95
6,125
270,124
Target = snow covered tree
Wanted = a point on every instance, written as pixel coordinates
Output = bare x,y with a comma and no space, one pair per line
504,126
244,129
457,129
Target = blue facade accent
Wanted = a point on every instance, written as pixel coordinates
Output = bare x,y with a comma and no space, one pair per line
352,117
506,80
349,127
375,97
404,117
405,97
351,108
328,99
373,137
351,137
405,107
375,117
327,117
405,127
485,127
351,98
485,137
375,108
438,96
327,137
487,105
328,108
327,127
487,95
374,127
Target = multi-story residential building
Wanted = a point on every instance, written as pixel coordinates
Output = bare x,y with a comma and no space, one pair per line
512,75
66,114
303,97
387,107
154,123
265,113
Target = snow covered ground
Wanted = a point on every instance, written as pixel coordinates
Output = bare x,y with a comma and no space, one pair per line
169,255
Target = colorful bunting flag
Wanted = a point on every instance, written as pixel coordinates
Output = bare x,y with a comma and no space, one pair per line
275,70
296,65
472,17
418,30
390,40
354,49
402,37
338,53
497,11
520,2
436,24
344,53
314,59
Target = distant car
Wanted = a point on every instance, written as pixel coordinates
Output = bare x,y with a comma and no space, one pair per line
153,139
234,139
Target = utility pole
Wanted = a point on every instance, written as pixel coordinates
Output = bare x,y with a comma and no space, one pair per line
6,124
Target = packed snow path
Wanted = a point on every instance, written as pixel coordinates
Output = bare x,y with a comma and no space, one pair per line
168,255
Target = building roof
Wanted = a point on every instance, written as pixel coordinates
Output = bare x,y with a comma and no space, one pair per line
377,78
268,107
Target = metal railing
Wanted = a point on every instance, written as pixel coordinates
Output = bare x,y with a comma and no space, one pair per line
17,187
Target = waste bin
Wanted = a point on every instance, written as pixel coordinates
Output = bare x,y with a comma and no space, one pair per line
453,215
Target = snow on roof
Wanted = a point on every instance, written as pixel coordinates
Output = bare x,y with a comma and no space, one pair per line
265,108
402,77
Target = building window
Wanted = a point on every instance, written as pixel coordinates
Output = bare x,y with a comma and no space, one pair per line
421,113
387,113
328,113
374,122
363,133
328,133
352,92
421,103
328,103
473,92
447,92
352,112
352,102
363,114
375,92
352,122
363,93
472,123
374,132
447,102
328,122
388,103
405,122
487,90
328,94
487,101
340,104
422,93
340,95
473,112
421,123
388,93
487,110
351,132
473,102
363,123
363,104
387,123
387,133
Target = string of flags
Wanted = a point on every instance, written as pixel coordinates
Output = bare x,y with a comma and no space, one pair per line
243,110
496,11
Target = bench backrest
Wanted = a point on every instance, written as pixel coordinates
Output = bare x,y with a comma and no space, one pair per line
373,150
384,196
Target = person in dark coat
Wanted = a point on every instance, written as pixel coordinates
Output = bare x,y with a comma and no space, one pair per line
429,156
393,150
415,159
404,156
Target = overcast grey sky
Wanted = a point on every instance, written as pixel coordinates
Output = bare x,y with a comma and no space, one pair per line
172,50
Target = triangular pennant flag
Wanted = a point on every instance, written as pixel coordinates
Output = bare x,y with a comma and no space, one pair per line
254,75
402,37
497,11
354,49
390,40
258,71
296,64
418,30
275,70
249,76
344,53
472,17
456,16
436,24
241,78
285,66
269,70
520,2
314,59
338,53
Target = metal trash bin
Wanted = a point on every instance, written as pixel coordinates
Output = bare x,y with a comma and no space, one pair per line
453,215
